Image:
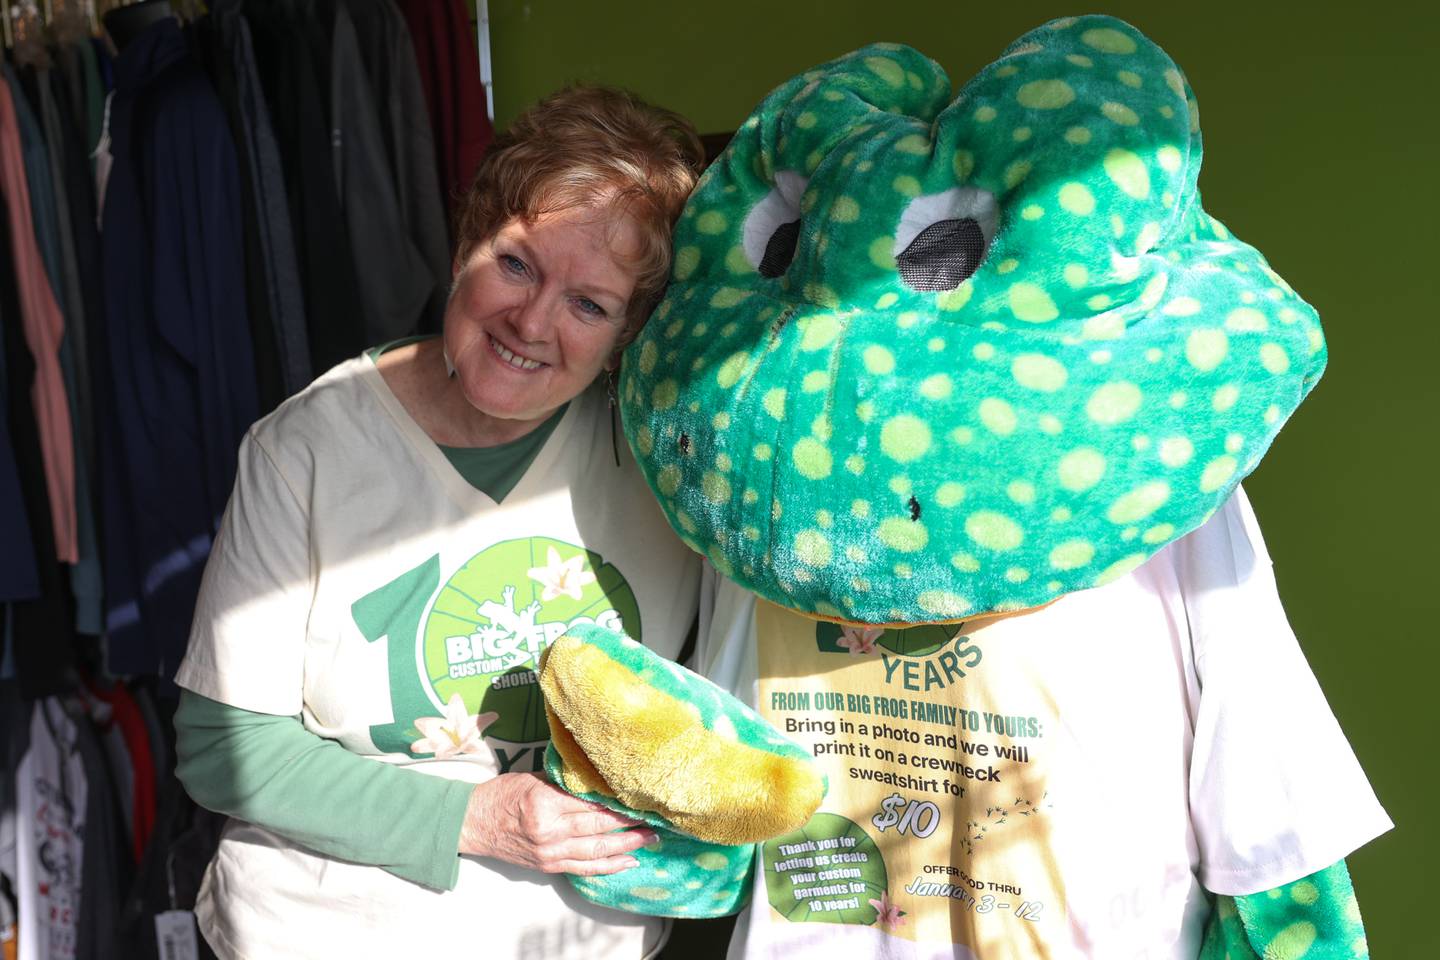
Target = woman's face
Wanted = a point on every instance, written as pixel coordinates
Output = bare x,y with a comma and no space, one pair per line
539,309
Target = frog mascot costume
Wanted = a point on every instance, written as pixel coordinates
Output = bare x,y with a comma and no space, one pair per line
955,393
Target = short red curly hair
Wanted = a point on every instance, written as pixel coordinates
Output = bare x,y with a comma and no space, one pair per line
588,146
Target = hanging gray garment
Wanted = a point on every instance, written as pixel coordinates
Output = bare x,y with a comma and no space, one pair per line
272,211
389,55
396,283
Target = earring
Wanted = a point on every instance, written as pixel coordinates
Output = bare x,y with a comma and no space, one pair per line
449,365
612,396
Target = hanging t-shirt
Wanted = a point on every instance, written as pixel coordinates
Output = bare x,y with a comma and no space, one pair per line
360,581
50,836
1057,784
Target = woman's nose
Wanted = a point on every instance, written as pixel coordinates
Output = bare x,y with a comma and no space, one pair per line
534,319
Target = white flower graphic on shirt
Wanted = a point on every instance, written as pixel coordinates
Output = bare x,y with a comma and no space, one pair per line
860,640
455,734
562,578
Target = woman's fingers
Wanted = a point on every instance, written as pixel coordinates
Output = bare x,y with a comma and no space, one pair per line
591,820
595,868
594,855
524,820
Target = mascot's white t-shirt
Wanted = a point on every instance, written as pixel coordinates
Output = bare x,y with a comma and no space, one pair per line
360,581
1059,784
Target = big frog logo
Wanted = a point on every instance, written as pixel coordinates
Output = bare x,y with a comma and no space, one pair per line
472,647
490,623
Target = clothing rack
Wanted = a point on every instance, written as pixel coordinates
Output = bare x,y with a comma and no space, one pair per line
46,14
141,617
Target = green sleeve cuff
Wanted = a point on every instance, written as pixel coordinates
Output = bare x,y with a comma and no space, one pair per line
272,772
1316,917
443,861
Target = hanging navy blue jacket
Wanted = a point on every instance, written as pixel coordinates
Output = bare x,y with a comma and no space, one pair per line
181,370
18,578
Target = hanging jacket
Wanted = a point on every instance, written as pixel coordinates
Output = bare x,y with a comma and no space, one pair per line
396,283
292,59
273,234
387,53
181,372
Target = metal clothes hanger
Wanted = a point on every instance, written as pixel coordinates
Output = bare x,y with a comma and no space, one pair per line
28,25
124,24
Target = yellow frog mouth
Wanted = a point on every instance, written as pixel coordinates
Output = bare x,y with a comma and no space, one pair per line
621,737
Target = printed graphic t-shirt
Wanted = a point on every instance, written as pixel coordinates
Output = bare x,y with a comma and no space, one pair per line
358,580
1058,784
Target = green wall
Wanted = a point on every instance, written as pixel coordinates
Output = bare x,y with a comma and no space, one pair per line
1321,132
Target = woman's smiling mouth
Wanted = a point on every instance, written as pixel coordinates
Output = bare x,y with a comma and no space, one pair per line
514,359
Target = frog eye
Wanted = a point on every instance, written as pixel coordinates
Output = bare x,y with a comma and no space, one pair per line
943,237
780,250
772,229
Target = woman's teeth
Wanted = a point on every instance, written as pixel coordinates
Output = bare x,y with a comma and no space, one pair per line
514,359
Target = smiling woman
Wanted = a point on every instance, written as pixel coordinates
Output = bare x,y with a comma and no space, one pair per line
404,540
538,311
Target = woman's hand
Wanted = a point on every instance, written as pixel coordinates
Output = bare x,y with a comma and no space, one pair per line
520,818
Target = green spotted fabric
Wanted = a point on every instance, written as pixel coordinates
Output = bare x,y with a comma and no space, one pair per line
923,358
681,875
677,876
1315,918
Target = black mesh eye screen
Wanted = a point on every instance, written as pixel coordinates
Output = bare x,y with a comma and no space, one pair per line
780,250
943,256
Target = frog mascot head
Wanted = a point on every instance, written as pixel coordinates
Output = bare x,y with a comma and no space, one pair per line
925,358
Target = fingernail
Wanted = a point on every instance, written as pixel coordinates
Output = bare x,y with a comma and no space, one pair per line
630,862
653,841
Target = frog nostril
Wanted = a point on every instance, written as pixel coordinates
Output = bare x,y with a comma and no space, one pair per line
943,255
780,249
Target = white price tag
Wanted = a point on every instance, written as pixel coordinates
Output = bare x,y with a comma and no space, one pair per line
175,935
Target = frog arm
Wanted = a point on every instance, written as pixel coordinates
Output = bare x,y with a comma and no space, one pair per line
1316,917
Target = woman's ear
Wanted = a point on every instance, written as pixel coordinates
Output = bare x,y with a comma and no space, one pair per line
627,337
461,260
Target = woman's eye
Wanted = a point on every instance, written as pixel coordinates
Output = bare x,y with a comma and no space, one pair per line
590,307
513,264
